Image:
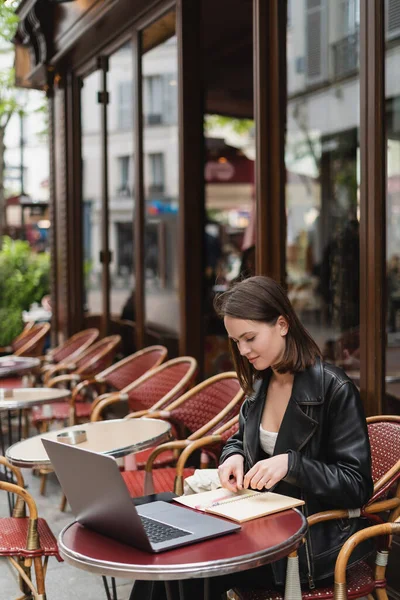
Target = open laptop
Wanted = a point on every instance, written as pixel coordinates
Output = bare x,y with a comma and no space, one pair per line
100,500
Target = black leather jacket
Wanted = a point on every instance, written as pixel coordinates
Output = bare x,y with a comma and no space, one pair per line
325,434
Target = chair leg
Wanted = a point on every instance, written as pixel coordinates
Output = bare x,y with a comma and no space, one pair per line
63,503
22,582
43,480
39,573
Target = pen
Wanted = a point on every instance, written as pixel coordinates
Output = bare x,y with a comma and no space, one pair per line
215,503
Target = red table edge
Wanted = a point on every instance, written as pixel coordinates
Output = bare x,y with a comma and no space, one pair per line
178,571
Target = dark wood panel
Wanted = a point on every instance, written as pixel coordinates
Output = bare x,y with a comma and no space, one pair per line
372,205
68,217
269,109
191,179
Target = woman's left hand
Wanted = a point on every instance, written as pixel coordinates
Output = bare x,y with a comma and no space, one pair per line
267,473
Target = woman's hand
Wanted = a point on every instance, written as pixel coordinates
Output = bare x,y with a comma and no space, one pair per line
231,473
267,473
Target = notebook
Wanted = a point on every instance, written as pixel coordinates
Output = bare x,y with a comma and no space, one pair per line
241,506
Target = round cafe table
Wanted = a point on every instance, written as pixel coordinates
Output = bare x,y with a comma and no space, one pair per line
16,401
117,438
23,398
259,542
13,365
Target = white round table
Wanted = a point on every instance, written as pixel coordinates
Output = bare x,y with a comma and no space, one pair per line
117,438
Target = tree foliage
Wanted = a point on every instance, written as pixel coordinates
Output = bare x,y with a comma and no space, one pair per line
24,278
239,126
8,21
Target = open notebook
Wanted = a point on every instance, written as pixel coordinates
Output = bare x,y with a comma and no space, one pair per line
240,506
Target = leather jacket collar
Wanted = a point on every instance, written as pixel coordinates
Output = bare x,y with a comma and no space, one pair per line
298,424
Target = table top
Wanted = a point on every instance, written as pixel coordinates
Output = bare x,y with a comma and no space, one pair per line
16,364
18,398
117,438
259,542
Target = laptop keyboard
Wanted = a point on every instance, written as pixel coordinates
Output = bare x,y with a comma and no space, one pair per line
160,532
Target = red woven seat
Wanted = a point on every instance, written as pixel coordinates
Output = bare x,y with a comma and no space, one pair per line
11,382
13,535
360,582
26,537
165,459
163,480
59,411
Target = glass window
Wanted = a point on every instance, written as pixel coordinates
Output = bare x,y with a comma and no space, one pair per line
322,174
161,183
124,106
393,207
91,193
120,178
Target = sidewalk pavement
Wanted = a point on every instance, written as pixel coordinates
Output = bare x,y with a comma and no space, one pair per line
63,582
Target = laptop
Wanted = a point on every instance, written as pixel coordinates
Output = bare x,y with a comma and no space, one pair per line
100,500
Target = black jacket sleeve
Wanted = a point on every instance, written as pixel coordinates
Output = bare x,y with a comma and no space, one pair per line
235,443
344,479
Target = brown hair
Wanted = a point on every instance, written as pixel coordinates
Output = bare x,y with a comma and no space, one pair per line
262,299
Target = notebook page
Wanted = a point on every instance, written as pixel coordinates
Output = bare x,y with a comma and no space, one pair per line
206,500
253,507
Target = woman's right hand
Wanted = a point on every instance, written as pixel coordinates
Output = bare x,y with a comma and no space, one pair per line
231,473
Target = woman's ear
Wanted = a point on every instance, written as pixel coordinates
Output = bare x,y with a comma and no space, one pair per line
283,325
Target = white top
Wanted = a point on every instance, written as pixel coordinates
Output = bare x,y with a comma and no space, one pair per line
268,441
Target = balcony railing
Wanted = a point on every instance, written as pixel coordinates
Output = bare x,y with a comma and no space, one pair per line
346,55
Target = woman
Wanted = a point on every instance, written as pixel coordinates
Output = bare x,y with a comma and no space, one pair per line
302,429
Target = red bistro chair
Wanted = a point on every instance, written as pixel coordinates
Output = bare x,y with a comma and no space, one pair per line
194,414
157,387
26,540
360,579
71,348
149,481
95,359
18,341
32,343
116,377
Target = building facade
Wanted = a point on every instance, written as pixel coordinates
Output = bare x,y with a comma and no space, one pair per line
130,88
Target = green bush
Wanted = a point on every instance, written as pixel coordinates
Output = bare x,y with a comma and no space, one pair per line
24,278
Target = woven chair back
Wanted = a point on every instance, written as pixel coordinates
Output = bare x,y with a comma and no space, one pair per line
132,367
34,341
75,345
384,437
173,376
20,340
206,401
97,357
229,432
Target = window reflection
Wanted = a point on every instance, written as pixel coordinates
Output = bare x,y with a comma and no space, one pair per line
393,206
322,172
161,184
120,138
91,193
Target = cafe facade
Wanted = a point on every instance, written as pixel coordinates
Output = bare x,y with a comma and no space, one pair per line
154,213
